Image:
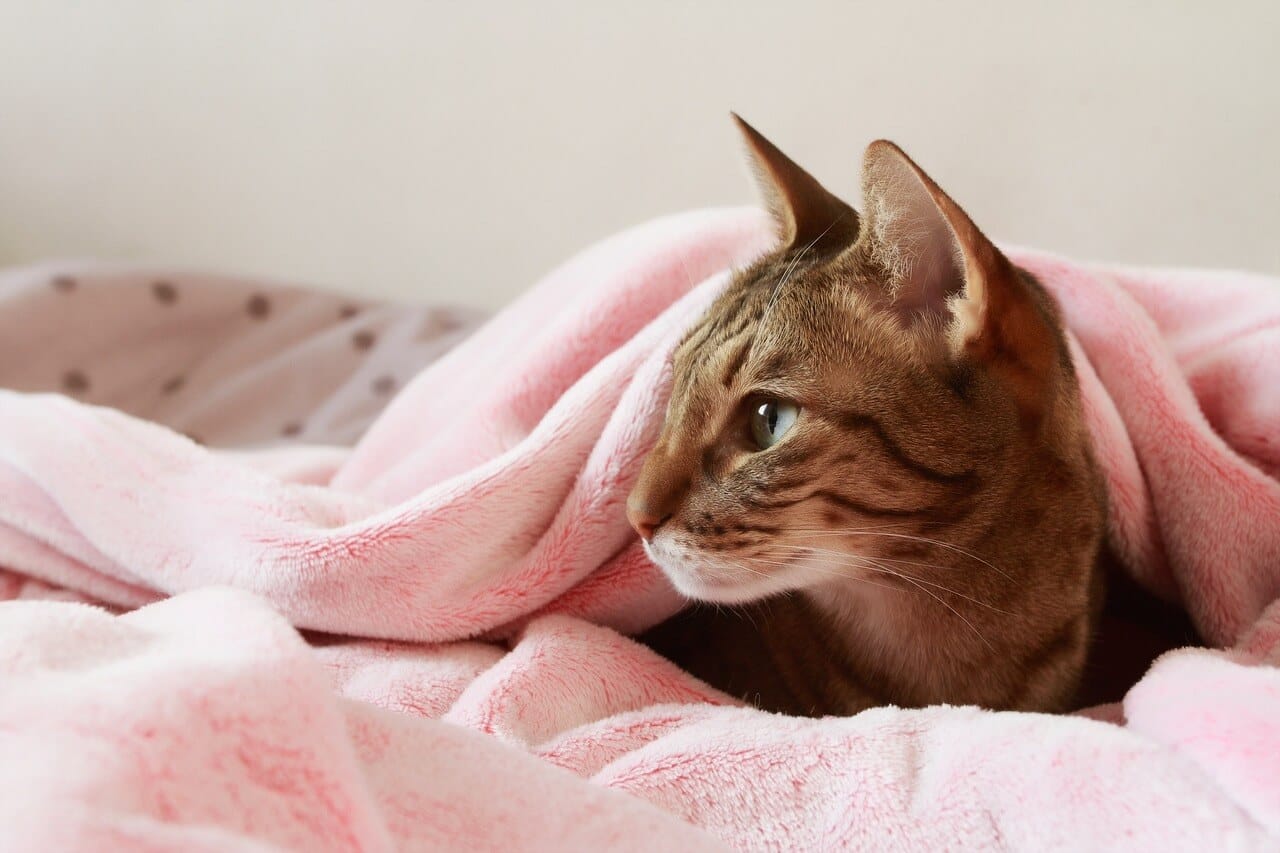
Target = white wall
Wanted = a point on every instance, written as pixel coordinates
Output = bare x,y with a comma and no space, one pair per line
435,151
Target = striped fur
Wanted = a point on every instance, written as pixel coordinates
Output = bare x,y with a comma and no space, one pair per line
928,531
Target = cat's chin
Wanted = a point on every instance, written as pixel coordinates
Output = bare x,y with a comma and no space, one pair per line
704,579
723,592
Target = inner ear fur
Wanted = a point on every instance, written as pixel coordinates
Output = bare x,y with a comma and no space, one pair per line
936,261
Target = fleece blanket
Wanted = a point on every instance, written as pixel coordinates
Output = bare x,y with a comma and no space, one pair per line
418,642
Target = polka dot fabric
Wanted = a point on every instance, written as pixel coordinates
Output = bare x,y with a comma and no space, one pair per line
228,362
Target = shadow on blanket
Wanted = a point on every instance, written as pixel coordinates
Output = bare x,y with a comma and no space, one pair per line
1136,628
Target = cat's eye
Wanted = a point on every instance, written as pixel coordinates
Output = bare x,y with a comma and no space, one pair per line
770,420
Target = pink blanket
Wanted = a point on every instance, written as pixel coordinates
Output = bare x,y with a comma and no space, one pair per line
466,570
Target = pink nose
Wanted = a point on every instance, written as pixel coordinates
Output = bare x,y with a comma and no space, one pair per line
644,520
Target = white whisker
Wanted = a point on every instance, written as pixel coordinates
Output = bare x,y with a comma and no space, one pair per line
786,564
939,543
939,599
786,274
874,563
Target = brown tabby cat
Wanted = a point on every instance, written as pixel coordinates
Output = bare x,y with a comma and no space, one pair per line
875,443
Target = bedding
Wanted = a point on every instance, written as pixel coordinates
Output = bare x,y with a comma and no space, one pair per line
324,595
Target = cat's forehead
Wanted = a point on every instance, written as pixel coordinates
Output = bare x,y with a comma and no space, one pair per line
781,321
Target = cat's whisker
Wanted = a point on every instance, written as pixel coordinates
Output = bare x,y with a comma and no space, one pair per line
886,525
786,274
847,577
900,525
755,571
859,579
873,563
743,611
925,539
945,604
688,274
791,268
751,570
868,563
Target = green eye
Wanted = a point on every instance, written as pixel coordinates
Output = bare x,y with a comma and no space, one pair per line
770,421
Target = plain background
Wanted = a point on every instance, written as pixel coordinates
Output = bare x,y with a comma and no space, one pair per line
454,152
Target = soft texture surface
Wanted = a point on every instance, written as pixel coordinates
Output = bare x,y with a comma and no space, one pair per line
474,542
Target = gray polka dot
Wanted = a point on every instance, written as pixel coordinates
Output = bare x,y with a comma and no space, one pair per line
75,382
258,306
348,311
63,283
164,292
291,429
437,324
173,385
363,339
384,385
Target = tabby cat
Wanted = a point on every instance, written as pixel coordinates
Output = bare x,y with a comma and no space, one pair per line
875,453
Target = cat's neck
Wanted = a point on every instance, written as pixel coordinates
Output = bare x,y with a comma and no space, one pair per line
837,649
945,629
907,640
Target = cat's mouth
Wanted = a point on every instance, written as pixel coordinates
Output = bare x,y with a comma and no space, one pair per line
716,578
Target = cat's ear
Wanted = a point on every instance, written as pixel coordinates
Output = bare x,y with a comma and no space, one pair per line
936,261
804,212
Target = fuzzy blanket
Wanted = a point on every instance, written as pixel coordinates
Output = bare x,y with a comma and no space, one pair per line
464,577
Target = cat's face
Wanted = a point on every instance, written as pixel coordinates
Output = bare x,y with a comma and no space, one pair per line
795,421
874,383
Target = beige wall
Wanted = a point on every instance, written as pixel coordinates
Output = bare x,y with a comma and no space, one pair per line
428,150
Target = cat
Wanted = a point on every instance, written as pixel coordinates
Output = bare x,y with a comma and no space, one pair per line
875,455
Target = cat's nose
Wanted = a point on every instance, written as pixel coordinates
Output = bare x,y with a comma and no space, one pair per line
643,519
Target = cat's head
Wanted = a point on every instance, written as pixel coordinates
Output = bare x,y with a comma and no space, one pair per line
879,380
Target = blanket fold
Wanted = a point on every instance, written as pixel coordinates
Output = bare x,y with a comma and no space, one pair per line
470,567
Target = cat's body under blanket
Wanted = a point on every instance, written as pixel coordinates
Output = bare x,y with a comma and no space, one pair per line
778,653
486,501
881,419
875,453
